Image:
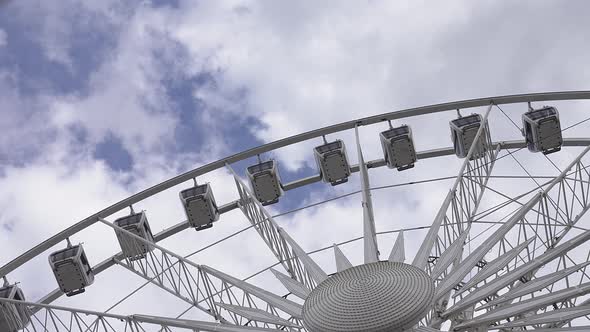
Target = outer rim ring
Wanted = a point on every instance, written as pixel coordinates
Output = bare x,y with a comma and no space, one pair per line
463,104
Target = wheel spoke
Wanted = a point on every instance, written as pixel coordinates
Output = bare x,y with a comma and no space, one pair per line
371,250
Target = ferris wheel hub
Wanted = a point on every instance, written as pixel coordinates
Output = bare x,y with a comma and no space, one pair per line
382,296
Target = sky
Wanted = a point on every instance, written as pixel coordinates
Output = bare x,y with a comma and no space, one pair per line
101,99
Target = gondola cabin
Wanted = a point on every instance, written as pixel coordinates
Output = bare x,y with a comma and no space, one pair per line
72,270
398,148
463,132
13,317
137,224
332,162
542,130
200,207
265,182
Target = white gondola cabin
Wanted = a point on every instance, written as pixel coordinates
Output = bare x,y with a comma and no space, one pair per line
463,132
137,224
13,317
200,207
333,163
265,182
542,130
72,270
398,148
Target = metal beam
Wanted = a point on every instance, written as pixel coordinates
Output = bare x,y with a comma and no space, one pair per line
109,262
183,225
342,263
371,249
555,206
398,252
503,281
287,251
549,317
455,276
462,201
515,309
59,318
68,232
295,287
196,284
451,254
534,285
434,153
491,268
311,267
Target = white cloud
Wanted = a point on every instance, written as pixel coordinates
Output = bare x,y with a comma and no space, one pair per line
302,66
55,26
335,62
3,38
127,98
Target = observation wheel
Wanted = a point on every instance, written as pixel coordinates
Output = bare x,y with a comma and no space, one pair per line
504,248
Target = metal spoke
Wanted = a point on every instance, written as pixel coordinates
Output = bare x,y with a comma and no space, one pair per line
285,249
198,284
371,250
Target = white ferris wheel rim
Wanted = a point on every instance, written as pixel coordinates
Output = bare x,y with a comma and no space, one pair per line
498,100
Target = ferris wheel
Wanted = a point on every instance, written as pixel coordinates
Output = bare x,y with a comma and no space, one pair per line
515,263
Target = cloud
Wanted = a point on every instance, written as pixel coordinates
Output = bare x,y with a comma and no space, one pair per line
3,38
126,96
48,143
332,63
293,68
59,29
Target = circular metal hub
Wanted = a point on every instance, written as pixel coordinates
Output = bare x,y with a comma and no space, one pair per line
382,296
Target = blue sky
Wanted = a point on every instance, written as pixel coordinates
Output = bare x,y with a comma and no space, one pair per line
101,99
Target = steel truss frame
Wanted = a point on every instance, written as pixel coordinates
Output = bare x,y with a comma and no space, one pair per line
557,208
497,100
291,256
550,215
51,318
209,290
453,220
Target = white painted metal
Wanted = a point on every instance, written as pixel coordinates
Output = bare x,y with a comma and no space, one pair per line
549,317
451,254
314,270
109,262
452,229
491,268
286,250
369,232
63,319
195,283
398,252
467,203
470,261
496,284
535,285
295,287
527,305
342,263
258,315
498,100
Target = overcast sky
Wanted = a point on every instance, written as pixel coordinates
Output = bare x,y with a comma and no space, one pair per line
100,99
